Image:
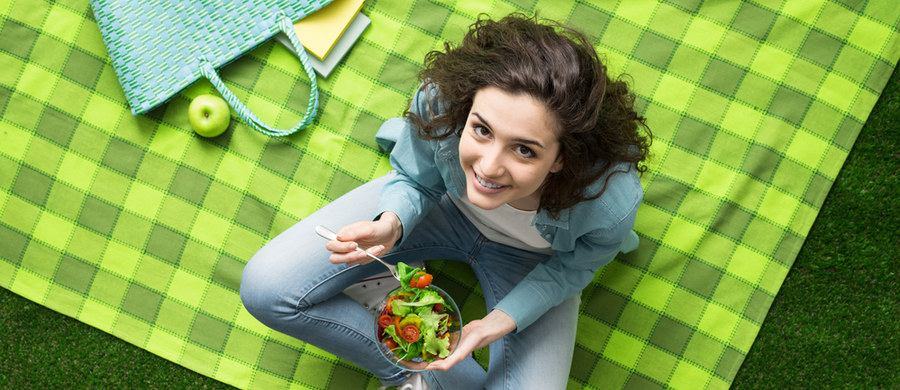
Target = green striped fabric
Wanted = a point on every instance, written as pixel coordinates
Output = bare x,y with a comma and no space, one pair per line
140,228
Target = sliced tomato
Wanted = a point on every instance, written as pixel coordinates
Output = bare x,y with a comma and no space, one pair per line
385,321
438,307
420,280
391,344
410,333
425,281
414,280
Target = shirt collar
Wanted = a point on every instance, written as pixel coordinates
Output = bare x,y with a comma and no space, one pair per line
562,221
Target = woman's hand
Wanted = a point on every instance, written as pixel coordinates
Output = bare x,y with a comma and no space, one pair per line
378,237
475,335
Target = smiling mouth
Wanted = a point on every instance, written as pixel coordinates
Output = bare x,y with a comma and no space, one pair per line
485,183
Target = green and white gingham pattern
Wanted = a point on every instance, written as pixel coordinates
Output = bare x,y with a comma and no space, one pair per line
140,228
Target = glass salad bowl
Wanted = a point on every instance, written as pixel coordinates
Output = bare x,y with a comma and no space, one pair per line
429,324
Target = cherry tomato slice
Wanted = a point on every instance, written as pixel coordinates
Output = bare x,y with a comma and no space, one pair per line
385,321
421,279
410,333
425,280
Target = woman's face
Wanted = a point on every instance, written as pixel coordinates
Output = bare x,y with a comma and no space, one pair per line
507,148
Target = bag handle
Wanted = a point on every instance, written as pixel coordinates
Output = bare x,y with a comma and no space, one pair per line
287,27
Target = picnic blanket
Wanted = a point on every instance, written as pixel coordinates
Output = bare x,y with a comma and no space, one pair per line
140,228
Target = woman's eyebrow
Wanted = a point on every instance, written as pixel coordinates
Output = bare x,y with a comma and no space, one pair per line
480,119
519,140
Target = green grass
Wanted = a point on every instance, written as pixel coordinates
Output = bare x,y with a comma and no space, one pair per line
834,324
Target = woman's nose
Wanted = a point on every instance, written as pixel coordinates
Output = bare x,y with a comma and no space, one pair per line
492,164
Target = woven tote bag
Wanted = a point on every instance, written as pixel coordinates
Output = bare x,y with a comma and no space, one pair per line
160,47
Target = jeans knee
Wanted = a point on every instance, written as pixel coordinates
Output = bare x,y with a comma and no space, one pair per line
257,293
269,295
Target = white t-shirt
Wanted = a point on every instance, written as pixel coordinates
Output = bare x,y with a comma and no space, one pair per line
505,224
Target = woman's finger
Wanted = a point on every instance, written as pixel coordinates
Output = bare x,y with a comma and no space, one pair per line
351,258
376,250
463,349
359,232
413,365
447,363
341,246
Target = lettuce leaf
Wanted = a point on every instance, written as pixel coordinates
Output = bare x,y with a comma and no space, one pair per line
406,273
426,297
431,320
400,308
436,345
392,331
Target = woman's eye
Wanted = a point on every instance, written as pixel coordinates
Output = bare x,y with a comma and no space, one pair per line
525,151
481,131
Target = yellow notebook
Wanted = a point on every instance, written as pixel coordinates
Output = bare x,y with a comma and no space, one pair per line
320,30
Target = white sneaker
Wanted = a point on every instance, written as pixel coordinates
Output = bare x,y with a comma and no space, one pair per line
371,291
415,382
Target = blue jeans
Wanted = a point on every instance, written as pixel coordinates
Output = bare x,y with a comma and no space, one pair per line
290,286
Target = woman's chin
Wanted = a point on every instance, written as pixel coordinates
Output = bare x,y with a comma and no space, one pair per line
484,202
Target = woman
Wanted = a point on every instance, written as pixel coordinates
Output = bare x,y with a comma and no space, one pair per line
517,155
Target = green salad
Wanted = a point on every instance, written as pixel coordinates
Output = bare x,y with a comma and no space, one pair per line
415,322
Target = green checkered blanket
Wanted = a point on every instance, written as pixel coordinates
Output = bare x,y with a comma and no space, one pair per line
140,228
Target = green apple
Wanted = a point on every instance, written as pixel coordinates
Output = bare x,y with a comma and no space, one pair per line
209,115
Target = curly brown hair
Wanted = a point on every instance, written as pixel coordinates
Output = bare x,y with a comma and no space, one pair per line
558,66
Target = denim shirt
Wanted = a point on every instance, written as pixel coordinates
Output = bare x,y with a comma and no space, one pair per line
584,237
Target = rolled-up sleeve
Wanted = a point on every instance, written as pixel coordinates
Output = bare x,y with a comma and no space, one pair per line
417,185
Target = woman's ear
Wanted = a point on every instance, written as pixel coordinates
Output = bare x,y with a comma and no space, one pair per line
557,165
